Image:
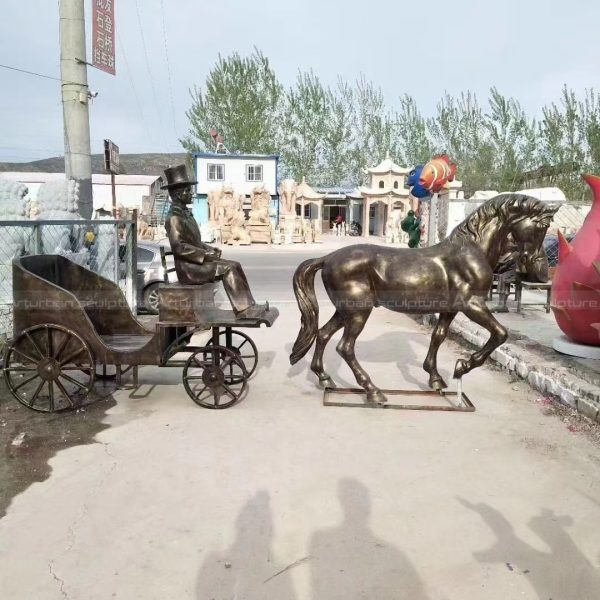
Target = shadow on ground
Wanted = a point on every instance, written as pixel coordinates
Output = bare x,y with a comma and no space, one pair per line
561,571
347,561
29,439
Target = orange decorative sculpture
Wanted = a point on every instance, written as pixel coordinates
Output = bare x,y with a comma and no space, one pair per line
437,173
575,298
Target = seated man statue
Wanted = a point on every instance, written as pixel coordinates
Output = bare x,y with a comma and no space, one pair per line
196,262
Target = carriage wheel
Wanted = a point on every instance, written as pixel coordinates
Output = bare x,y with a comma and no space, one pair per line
243,346
49,368
215,377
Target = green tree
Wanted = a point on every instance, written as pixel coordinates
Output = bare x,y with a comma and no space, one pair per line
338,138
513,139
459,130
562,147
241,99
304,120
372,124
413,142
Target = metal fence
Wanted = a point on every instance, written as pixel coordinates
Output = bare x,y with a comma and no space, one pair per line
107,247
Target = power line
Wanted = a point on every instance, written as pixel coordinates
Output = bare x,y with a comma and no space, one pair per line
135,94
137,8
164,28
31,73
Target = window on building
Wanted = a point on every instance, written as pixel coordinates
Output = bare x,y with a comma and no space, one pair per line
216,172
395,185
381,184
254,173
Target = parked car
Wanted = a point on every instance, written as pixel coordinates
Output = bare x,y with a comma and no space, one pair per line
150,274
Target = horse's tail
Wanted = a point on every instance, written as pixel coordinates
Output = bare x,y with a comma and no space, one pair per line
304,289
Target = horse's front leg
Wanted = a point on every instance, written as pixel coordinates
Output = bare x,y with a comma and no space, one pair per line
478,312
354,324
438,336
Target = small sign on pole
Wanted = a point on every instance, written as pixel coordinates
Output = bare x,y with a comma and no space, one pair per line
111,157
103,35
111,164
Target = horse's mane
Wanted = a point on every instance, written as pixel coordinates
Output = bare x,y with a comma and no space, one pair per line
506,208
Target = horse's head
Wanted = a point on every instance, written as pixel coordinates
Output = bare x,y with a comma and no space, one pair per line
527,224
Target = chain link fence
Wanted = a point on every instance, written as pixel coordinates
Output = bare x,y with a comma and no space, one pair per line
106,247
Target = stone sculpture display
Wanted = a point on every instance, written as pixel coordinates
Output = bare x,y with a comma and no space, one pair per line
576,283
226,216
16,241
59,201
259,224
451,277
287,197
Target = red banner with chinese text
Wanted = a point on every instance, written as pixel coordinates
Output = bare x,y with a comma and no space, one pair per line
103,35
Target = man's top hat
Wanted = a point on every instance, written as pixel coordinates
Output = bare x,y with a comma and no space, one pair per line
177,177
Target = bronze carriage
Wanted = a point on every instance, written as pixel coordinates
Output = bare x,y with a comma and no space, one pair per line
70,324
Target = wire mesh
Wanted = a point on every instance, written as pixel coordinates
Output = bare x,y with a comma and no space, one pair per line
105,247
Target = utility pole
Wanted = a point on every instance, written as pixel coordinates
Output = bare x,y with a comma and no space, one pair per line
75,100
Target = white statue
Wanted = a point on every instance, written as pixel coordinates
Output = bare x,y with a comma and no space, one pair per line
16,241
58,201
287,197
260,199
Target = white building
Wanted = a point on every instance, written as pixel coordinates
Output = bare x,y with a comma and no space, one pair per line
242,172
130,189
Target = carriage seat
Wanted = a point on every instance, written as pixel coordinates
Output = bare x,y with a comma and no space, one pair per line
119,343
182,303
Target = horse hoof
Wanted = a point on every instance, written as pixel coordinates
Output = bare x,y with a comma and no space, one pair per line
326,382
462,367
376,397
437,383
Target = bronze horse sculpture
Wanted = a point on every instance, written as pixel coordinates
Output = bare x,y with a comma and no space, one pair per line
451,277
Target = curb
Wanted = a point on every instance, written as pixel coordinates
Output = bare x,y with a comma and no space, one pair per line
544,369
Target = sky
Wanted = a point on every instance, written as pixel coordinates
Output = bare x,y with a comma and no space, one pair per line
527,48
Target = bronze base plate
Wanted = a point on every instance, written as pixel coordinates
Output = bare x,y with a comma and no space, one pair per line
466,406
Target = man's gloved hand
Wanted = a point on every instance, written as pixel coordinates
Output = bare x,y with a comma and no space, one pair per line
213,255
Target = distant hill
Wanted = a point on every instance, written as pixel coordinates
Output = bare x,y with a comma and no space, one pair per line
131,164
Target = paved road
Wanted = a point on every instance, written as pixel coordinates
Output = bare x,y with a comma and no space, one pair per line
146,495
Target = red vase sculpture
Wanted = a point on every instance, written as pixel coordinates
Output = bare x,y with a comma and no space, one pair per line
575,298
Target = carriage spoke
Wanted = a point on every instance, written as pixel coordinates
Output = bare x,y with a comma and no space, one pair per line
201,365
25,356
216,397
201,392
244,342
61,348
229,391
73,381
193,377
48,342
20,369
51,396
64,392
25,382
71,356
34,344
227,362
36,393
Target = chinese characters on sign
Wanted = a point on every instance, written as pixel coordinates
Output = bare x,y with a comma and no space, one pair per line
103,32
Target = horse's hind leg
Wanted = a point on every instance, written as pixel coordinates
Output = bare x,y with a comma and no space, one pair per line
354,324
478,312
334,324
437,338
